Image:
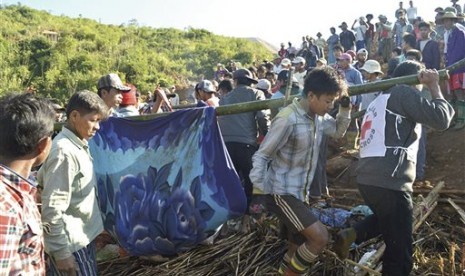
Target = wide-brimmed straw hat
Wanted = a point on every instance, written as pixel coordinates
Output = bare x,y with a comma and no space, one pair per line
449,15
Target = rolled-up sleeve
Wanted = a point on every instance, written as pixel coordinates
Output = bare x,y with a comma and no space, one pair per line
336,128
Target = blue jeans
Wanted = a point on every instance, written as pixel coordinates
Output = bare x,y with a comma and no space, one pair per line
331,57
360,44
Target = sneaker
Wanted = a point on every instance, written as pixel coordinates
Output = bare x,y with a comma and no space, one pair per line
344,240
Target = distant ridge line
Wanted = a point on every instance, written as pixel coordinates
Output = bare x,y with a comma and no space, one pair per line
273,49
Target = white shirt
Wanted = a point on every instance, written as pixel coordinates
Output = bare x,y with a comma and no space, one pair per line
446,39
360,32
412,13
300,76
423,44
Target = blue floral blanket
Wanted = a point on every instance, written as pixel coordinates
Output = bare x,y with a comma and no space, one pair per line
166,184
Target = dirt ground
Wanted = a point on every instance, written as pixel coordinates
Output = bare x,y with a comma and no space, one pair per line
445,158
445,161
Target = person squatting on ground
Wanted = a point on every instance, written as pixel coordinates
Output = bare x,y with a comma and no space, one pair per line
285,163
70,212
386,170
26,127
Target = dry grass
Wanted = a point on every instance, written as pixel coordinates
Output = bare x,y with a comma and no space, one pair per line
438,250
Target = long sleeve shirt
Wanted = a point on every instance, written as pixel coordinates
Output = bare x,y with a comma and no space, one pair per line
456,47
405,108
21,239
70,213
286,161
243,127
430,52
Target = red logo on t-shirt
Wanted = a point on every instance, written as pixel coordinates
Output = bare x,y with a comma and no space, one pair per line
365,127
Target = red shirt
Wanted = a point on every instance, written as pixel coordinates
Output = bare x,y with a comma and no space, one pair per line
21,238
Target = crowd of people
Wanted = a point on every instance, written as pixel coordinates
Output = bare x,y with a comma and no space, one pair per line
278,153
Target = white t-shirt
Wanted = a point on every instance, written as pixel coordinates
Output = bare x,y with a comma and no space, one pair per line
412,13
360,32
446,40
423,44
300,76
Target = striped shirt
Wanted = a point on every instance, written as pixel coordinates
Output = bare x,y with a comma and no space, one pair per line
21,239
286,160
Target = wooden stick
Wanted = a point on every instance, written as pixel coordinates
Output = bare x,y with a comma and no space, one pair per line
428,201
452,248
458,209
463,259
415,191
290,74
424,217
377,256
451,191
457,201
349,261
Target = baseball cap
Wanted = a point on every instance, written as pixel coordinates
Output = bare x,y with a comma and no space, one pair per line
298,60
207,86
351,53
372,66
345,56
264,84
362,51
244,73
285,62
112,80
284,75
342,24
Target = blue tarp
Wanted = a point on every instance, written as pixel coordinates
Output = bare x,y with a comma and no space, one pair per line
166,184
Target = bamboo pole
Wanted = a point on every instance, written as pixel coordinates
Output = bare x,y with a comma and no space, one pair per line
353,90
276,103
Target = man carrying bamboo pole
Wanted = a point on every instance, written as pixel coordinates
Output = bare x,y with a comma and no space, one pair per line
284,165
386,170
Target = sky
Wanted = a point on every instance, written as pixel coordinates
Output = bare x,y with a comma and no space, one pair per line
272,21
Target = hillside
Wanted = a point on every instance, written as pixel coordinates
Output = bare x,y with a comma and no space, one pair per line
273,49
57,55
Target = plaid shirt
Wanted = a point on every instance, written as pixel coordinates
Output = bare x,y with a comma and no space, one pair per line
21,242
286,161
